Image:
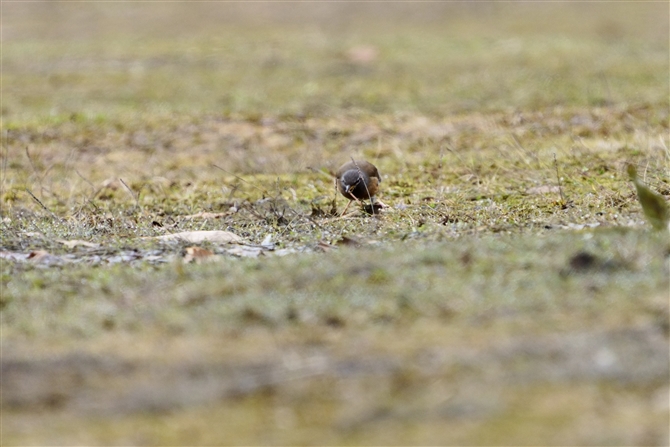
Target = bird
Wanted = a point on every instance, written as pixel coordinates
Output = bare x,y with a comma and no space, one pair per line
357,180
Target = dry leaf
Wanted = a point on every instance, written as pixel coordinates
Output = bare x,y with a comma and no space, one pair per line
76,242
267,242
207,215
196,237
349,241
198,255
42,256
245,251
324,246
284,251
38,254
544,189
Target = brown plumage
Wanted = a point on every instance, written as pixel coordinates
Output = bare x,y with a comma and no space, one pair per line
357,180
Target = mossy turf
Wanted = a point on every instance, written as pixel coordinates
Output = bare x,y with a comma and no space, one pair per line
511,291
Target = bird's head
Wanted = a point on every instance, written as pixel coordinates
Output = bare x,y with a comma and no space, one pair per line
351,179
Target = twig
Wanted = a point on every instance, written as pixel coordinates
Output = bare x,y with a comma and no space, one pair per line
32,165
328,174
440,159
558,178
525,153
5,158
95,192
84,179
644,176
41,204
265,193
30,159
274,210
136,197
379,147
40,178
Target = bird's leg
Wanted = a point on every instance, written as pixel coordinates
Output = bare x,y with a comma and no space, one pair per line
345,209
353,197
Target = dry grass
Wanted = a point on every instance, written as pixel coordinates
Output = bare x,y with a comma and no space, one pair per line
511,293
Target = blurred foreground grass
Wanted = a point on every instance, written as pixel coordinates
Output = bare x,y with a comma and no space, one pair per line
467,341
511,294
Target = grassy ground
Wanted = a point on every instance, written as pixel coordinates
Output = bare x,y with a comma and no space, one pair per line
511,293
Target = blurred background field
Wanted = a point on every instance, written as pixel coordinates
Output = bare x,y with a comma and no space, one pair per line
107,59
510,294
